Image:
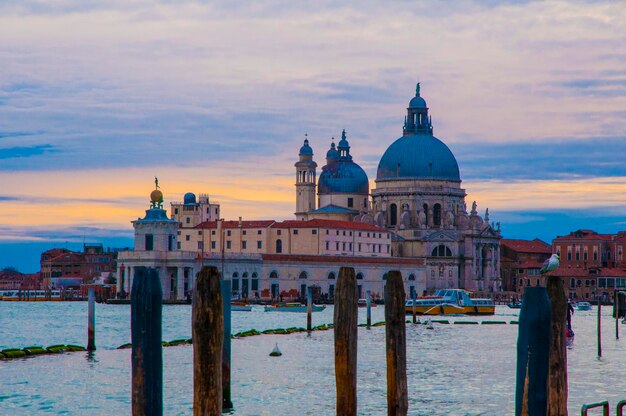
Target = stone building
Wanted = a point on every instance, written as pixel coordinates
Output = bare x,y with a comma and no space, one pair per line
520,262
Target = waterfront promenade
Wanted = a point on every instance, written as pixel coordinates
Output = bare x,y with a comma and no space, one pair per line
453,369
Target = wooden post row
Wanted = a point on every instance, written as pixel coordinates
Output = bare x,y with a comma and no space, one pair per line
207,323
345,326
395,334
147,349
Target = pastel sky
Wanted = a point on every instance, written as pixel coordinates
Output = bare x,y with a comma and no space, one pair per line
98,97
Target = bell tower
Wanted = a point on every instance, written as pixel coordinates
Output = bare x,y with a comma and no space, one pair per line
305,181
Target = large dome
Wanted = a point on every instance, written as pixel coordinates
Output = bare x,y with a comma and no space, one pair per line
420,156
343,176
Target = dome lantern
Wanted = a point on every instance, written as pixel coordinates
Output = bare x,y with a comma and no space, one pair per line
417,120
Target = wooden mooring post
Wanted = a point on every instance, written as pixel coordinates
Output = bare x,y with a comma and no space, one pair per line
557,376
414,309
147,350
395,334
345,325
368,300
91,320
533,353
309,308
227,403
599,328
207,325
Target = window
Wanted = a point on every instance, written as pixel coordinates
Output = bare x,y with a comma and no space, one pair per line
170,244
331,275
295,232
259,244
313,231
350,202
212,232
572,283
200,232
178,245
274,275
228,233
393,214
244,232
437,215
244,245
337,246
255,282
278,232
411,276
199,245
175,210
149,242
577,256
595,255
213,245
279,246
585,256
326,232
441,251
187,220
359,246
344,232
350,248
259,232
187,238
343,246
327,245
302,275
359,276
602,282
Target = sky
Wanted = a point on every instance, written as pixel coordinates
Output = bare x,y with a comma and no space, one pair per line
99,97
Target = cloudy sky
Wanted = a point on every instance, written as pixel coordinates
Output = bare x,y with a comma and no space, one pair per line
97,98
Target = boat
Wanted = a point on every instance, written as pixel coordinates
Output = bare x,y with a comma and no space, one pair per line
31,295
583,306
514,305
240,306
451,302
363,303
292,307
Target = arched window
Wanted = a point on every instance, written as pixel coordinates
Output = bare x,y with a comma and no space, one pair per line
244,275
255,275
235,275
426,213
411,276
274,275
359,276
331,275
393,214
302,275
441,251
279,246
437,215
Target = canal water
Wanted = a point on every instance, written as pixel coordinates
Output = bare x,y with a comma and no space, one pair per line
452,370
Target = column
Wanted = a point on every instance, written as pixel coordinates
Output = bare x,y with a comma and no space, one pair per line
180,283
129,281
119,284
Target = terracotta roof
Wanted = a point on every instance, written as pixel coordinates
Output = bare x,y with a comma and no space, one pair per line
527,246
235,224
571,272
65,257
586,235
529,265
322,223
345,260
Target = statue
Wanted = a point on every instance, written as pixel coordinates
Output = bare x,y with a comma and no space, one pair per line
450,219
156,183
405,217
474,211
421,219
417,90
487,215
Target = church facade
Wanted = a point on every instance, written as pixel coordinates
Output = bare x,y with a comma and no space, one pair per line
415,220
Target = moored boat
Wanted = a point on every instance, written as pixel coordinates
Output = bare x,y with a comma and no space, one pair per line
451,302
583,306
240,306
31,295
514,305
363,303
292,307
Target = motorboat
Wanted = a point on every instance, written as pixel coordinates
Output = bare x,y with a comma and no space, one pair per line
240,306
292,307
514,305
583,306
450,302
363,303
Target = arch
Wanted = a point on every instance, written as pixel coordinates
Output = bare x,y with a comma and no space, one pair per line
441,251
303,275
359,276
279,246
437,215
255,275
393,214
331,275
244,275
411,276
274,274
235,275
425,207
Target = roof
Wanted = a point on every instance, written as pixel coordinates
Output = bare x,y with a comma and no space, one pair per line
528,265
345,260
343,176
322,223
67,257
527,246
610,272
236,224
155,215
571,272
584,235
335,209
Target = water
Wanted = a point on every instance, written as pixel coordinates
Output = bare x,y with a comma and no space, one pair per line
453,369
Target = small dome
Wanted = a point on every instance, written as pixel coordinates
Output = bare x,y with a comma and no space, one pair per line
306,150
417,102
189,198
421,156
156,196
343,176
332,153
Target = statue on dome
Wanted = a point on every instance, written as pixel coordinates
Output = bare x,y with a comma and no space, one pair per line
156,183
417,90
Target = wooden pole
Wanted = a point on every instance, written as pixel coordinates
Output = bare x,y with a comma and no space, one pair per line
414,297
91,320
533,353
345,321
616,312
368,299
395,334
147,350
309,308
557,376
227,403
207,326
599,325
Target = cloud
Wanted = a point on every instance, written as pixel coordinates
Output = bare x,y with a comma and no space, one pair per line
25,152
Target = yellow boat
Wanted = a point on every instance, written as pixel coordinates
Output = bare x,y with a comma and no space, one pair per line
451,302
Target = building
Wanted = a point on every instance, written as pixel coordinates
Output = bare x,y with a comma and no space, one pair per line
521,261
61,267
415,220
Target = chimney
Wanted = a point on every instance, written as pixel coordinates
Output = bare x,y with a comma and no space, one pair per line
240,222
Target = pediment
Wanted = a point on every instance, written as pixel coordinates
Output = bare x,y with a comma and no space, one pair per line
444,236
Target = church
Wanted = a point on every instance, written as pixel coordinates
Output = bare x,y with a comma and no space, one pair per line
415,220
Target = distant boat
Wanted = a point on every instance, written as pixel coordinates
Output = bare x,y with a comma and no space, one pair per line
292,307
514,305
583,306
240,306
363,303
31,295
451,302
